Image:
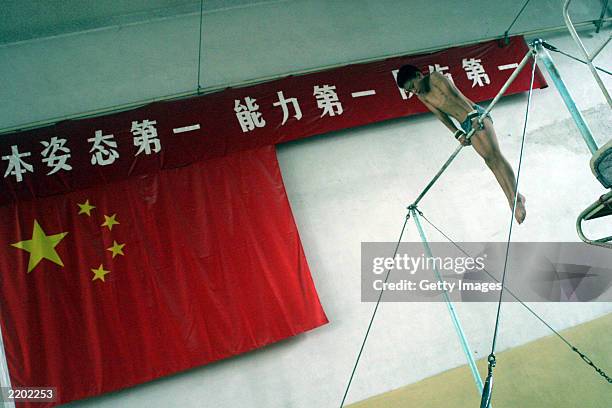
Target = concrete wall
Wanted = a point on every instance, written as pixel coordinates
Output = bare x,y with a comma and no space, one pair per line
346,187
131,62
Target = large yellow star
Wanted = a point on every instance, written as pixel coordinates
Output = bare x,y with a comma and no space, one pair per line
41,246
99,273
116,249
85,208
110,221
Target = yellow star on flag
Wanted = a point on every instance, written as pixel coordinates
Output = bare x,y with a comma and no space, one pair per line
116,249
41,246
99,273
110,221
85,208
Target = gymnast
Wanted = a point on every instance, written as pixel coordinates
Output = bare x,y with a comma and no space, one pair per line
444,100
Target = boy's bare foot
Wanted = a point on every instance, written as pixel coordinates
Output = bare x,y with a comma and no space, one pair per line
520,212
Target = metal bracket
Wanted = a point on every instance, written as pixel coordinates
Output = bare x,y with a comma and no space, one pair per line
589,58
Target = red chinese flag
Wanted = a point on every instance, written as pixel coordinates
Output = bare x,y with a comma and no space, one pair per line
122,283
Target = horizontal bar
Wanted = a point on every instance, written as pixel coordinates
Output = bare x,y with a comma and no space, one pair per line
507,84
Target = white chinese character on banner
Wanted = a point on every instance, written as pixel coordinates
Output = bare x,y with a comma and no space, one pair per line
505,67
145,136
327,99
103,156
248,115
283,103
51,157
475,72
16,166
441,69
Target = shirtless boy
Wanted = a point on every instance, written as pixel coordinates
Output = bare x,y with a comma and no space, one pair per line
444,100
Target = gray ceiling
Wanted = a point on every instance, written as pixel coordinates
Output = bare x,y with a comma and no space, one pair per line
22,20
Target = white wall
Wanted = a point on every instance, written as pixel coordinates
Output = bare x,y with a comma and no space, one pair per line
68,74
346,187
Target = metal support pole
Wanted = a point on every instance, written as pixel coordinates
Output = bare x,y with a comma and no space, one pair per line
599,22
605,242
469,135
509,82
601,47
5,380
437,176
589,59
451,309
586,133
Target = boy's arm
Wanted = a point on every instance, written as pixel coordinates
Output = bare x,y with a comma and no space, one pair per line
442,116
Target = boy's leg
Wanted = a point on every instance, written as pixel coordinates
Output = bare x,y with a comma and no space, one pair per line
485,143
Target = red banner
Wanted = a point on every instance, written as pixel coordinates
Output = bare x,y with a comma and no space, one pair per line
78,154
113,286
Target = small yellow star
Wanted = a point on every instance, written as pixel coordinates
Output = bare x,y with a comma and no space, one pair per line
110,221
41,246
116,249
99,273
85,208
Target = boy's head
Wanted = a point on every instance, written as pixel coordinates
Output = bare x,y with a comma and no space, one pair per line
408,77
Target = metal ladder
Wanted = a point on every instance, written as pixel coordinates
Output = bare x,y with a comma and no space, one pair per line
602,170
588,57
